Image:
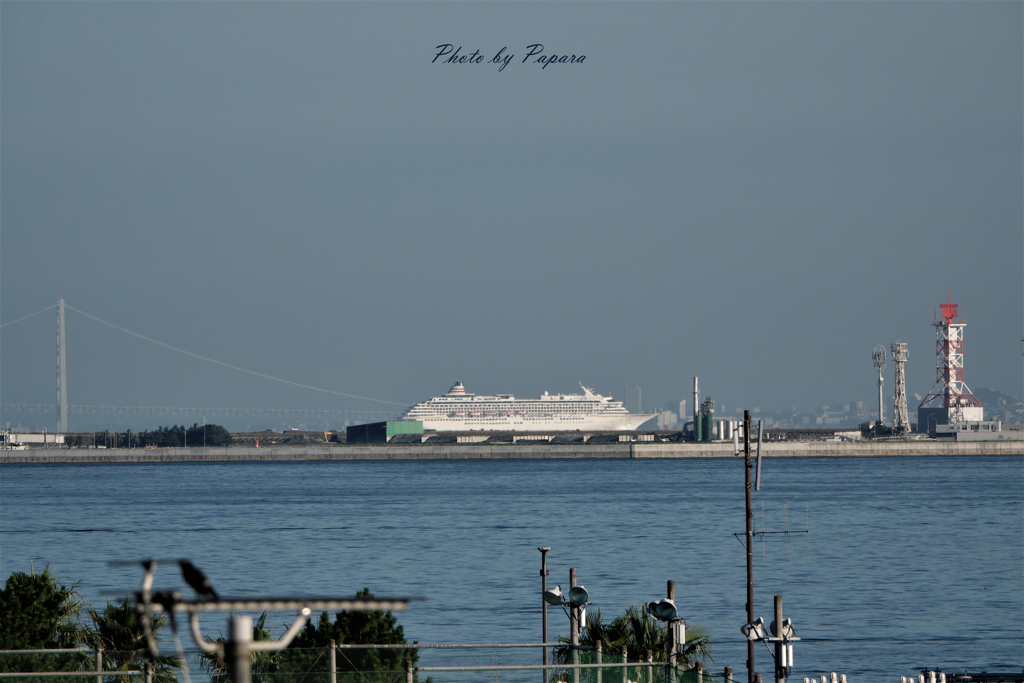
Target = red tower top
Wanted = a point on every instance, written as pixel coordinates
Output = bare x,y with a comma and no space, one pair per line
949,309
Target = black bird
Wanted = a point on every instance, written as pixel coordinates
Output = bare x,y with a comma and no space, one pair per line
197,579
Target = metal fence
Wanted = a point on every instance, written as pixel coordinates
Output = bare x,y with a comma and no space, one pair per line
436,663
72,665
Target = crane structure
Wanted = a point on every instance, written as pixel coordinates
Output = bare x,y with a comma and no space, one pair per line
900,416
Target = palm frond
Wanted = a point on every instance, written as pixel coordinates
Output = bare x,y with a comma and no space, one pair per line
638,633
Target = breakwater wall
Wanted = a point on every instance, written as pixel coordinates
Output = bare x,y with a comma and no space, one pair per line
804,449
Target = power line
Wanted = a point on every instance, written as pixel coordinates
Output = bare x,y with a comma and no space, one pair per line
226,365
311,413
30,315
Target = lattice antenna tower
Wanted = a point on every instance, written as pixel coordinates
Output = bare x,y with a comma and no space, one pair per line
949,390
900,416
878,357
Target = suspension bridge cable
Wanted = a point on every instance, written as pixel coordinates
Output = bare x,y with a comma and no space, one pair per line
29,316
226,365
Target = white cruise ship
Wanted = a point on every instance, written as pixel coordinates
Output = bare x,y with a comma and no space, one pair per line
458,411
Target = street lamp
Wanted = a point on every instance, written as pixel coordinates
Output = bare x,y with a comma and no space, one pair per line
576,602
665,610
578,597
782,635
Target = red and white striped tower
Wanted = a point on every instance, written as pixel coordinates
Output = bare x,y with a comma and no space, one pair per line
949,391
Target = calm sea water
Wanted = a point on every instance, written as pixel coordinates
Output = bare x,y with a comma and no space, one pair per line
909,563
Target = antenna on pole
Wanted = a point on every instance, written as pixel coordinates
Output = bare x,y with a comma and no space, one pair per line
749,537
749,541
760,433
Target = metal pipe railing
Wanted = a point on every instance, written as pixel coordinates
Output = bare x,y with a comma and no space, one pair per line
51,674
427,646
52,651
526,667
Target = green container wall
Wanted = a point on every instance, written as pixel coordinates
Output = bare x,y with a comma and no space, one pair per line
404,427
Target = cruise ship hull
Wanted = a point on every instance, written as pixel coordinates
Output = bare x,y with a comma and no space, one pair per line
458,411
537,424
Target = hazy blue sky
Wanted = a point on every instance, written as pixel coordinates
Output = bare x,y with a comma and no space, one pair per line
756,193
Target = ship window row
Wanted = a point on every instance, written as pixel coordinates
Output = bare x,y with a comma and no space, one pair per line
517,406
509,402
505,409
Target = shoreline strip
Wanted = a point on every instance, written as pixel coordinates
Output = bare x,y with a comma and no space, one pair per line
809,449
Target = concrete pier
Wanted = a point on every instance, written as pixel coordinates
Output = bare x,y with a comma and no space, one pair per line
804,449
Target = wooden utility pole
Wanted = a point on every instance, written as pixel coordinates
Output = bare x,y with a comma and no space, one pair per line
780,646
574,628
544,607
750,542
673,646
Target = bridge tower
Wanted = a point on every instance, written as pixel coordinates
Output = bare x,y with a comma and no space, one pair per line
62,375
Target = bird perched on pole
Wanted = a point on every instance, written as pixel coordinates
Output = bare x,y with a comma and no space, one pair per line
197,579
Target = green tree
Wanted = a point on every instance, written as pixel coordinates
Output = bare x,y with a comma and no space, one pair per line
309,651
163,437
119,630
639,633
177,436
38,612
211,435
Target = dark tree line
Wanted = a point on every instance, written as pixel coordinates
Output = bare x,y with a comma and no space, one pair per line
38,612
161,437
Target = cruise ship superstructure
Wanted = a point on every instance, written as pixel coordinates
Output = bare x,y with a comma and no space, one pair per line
458,411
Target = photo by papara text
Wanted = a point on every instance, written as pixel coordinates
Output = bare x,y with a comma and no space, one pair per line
449,54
